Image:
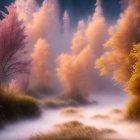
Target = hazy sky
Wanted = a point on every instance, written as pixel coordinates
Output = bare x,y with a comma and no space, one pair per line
79,9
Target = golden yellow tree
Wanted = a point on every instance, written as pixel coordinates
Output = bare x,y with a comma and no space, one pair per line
134,82
133,86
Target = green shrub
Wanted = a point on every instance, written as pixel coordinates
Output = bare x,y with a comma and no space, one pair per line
28,106
57,103
132,110
14,106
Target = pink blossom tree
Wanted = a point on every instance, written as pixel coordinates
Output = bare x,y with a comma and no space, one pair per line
12,45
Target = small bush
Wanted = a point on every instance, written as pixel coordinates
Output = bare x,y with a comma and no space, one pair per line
74,130
57,103
72,111
132,110
100,116
116,111
74,96
14,106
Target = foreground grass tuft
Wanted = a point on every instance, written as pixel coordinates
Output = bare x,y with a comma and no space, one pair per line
74,130
14,106
132,111
72,111
100,116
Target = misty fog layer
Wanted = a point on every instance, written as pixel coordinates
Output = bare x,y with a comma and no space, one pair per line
67,67
72,54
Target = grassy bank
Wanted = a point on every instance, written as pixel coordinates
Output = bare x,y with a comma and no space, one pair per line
14,106
74,130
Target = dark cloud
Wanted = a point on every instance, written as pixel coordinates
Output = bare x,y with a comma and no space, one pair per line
80,9
4,3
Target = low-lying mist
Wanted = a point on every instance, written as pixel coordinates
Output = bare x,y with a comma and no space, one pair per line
79,78
71,54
